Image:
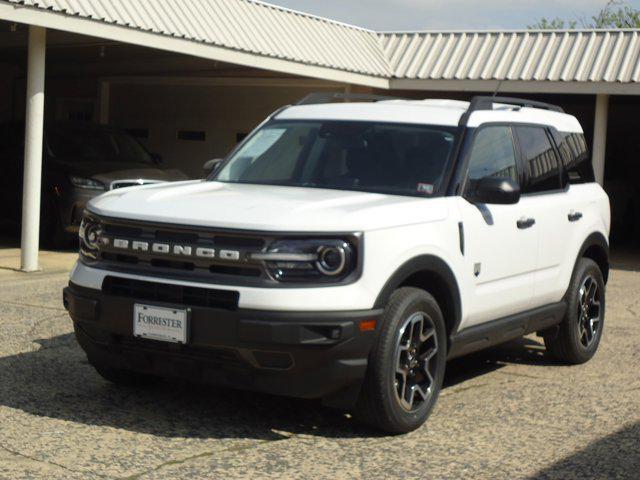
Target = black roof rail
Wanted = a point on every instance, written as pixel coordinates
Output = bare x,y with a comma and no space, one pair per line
332,97
481,102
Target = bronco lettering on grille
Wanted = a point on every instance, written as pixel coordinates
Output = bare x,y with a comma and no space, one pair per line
175,249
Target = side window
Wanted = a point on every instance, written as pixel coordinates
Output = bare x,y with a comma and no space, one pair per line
492,155
540,159
575,157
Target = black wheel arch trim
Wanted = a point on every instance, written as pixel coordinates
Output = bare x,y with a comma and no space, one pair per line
430,264
599,241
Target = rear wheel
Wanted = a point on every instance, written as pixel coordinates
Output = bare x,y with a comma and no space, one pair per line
406,366
578,336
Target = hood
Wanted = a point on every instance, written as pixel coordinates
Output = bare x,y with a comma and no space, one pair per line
108,171
266,207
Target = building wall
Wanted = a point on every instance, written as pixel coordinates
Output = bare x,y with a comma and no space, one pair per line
222,113
7,100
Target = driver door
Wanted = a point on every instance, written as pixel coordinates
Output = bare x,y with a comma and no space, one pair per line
500,251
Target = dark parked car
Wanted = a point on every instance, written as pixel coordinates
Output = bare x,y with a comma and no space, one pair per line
80,161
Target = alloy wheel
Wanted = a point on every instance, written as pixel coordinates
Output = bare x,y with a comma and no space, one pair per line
589,311
415,361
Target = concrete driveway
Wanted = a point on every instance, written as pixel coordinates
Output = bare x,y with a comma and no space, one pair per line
505,414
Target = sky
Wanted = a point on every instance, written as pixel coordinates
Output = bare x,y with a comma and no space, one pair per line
447,14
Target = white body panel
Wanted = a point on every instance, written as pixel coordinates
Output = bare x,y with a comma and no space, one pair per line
561,240
499,262
266,207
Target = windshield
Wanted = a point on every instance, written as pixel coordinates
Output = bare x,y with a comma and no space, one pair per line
83,144
372,157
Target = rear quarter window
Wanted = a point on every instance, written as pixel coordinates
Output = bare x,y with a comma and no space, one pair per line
575,157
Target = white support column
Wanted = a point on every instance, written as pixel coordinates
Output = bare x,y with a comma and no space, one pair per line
33,150
600,136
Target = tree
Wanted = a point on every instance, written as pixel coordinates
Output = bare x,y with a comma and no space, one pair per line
623,17
554,24
614,15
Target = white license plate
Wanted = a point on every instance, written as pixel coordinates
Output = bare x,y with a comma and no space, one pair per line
160,323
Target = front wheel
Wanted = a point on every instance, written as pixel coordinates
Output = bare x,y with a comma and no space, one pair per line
407,364
578,336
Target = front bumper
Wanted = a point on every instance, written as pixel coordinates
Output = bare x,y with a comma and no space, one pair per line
299,354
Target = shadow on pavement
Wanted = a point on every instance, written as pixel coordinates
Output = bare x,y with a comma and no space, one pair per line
615,456
57,381
523,351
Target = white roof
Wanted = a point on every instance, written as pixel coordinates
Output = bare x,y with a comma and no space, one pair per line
252,33
389,112
429,112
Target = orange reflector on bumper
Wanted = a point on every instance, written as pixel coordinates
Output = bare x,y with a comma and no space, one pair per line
367,325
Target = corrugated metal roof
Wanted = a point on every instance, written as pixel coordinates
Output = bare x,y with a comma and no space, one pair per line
581,56
250,26
243,25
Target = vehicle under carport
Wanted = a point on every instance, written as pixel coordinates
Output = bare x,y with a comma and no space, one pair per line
190,92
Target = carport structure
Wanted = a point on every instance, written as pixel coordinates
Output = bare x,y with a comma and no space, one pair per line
177,49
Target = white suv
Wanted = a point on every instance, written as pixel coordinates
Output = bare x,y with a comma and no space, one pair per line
346,251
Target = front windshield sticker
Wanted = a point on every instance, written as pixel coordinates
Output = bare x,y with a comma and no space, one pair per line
426,188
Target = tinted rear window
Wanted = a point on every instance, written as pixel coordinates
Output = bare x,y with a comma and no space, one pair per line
575,157
541,161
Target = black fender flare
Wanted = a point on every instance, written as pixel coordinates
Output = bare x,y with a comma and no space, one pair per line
433,265
596,239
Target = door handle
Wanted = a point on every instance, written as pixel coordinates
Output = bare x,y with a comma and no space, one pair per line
525,222
574,216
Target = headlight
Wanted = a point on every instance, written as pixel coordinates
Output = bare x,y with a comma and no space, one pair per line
309,260
82,182
90,234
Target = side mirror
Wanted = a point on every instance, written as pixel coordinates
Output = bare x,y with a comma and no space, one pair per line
211,165
494,190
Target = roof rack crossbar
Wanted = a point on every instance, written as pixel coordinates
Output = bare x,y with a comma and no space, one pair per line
481,102
331,97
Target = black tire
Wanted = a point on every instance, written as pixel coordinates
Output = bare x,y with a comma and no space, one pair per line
577,338
125,378
380,404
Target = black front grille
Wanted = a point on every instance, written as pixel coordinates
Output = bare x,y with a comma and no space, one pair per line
238,267
175,294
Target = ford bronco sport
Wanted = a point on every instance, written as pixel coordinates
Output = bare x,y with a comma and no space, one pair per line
346,251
